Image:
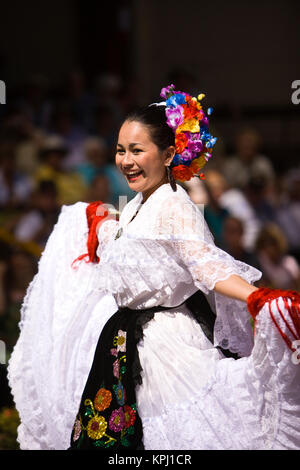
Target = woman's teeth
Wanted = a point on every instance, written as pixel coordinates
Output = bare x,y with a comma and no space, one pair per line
134,175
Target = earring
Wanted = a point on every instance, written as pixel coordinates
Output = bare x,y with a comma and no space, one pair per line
171,179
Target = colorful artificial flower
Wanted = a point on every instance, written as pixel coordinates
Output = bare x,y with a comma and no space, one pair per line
176,99
117,420
168,91
96,427
197,164
190,125
181,142
175,116
103,399
187,156
195,143
182,173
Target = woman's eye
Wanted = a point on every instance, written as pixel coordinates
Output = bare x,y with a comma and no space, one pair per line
137,150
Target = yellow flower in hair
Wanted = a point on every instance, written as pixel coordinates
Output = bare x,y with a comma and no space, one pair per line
191,125
197,164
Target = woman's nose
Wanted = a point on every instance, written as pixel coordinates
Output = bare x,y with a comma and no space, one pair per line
127,160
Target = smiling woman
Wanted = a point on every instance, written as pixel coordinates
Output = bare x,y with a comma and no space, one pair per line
145,149
149,344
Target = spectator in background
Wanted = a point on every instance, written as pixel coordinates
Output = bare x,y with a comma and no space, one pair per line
104,126
257,192
280,270
247,163
70,186
17,127
96,166
19,271
107,91
288,214
37,224
235,203
233,242
73,135
214,213
99,190
80,99
15,187
35,102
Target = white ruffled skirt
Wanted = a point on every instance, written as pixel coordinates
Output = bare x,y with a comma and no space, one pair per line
194,398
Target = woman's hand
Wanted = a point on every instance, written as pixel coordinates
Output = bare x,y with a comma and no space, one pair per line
235,287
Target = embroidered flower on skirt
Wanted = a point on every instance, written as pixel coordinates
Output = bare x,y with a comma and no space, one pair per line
96,427
120,341
117,420
102,399
107,419
120,393
129,416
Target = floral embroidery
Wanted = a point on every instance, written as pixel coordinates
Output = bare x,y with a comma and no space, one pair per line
116,368
102,399
120,341
129,416
120,393
116,422
77,430
96,427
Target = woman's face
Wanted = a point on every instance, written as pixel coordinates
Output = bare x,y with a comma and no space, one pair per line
142,163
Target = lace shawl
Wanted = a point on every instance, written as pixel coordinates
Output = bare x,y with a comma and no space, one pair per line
165,254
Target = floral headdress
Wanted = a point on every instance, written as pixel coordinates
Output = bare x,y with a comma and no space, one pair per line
193,141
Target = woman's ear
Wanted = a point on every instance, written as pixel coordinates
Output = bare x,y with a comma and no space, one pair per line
169,155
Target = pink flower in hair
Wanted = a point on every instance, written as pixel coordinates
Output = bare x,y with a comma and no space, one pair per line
195,143
187,155
175,116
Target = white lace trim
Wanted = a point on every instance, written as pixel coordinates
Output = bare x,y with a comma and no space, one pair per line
61,319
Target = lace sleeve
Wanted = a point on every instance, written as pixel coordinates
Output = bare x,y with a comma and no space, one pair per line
181,225
106,232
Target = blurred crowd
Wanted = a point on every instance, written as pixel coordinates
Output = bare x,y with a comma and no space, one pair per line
58,148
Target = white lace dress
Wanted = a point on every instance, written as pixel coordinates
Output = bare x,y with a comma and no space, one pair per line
191,396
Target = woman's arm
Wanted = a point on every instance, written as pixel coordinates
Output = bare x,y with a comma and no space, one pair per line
235,287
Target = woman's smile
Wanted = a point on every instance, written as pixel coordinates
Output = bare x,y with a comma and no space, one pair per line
142,163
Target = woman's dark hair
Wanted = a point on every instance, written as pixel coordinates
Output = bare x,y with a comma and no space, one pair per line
154,117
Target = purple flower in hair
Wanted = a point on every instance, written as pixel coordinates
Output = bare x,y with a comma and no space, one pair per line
167,91
187,155
175,116
195,143
205,121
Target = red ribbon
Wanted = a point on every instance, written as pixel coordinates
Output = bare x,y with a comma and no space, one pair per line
93,220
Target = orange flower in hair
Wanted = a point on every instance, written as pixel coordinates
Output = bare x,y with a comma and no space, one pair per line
181,142
182,173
